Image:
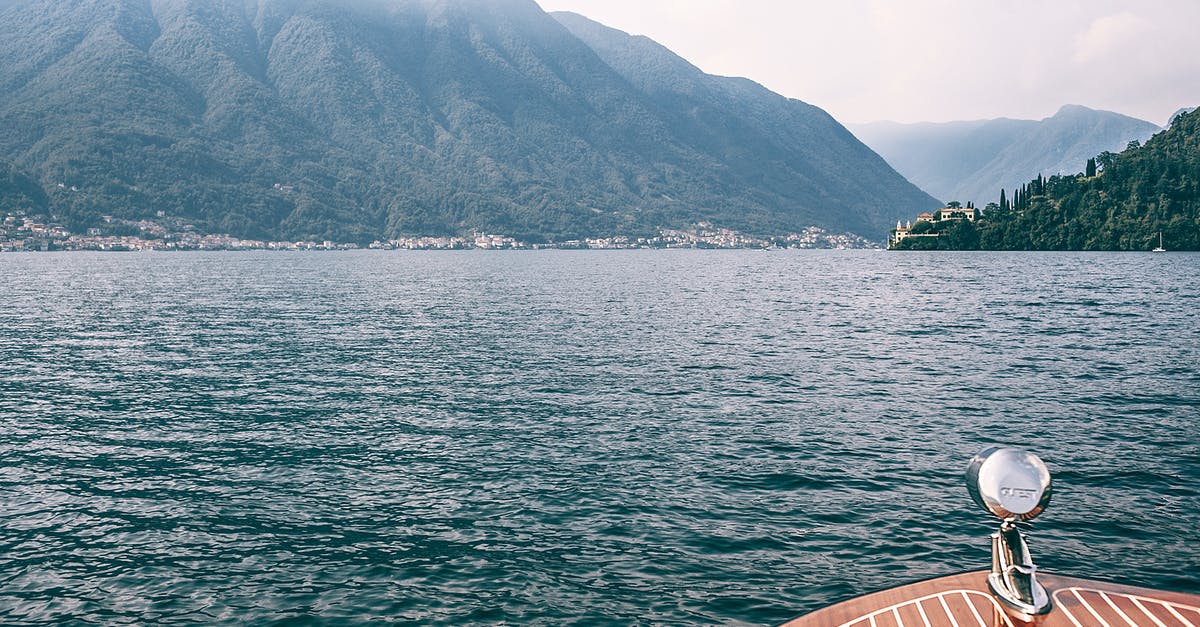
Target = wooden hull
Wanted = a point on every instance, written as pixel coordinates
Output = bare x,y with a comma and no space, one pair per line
964,601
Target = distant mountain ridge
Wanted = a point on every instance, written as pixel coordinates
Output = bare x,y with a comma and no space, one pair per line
1142,197
973,161
359,120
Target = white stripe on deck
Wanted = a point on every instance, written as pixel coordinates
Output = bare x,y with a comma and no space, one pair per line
945,607
1140,601
924,618
1117,609
973,610
894,610
1088,606
1147,612
1183,620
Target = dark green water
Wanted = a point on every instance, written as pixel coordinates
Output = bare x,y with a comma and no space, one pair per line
575,437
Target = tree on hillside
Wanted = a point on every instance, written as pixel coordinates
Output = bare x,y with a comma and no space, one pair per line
1122,203
1105,160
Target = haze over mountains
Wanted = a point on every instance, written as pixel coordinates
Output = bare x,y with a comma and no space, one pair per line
1141,198
972,161
354,120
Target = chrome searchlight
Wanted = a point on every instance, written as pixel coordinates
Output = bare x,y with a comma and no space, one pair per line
1014,486
1009,483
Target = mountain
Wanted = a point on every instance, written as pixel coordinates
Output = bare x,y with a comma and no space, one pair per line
973,161
358,119
19,192
1137,194
782,145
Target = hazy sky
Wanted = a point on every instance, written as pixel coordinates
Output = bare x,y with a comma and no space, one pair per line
935,60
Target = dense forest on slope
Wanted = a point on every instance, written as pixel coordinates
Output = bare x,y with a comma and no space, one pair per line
973,161
1133,196
21,193
758,134
360,119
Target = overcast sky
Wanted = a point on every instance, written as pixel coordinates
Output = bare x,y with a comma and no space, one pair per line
935,60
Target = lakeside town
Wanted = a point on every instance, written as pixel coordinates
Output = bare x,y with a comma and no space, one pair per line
23,233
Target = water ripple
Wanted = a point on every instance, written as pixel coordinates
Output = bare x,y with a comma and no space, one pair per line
575,437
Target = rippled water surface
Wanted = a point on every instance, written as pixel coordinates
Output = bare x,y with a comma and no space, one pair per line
575,437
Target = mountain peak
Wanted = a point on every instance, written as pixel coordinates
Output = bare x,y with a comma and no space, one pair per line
1073,109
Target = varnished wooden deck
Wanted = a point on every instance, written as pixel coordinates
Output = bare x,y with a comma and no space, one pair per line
964,601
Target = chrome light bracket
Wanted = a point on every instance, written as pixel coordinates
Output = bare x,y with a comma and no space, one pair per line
1014,486
1013,580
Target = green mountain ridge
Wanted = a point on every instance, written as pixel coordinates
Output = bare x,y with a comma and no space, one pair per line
747,126
1137,195
359,120
973,161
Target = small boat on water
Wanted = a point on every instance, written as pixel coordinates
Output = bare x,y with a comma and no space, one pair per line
1160,248
1013,485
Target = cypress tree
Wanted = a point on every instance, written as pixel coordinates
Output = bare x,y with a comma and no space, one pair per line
1003,201
1091,168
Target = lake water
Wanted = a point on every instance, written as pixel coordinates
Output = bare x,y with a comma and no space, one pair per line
561,437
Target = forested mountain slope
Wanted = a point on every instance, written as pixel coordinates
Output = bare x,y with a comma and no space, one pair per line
972,161
353,120
1136,195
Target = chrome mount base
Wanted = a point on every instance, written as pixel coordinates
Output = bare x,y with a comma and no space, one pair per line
1013,580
